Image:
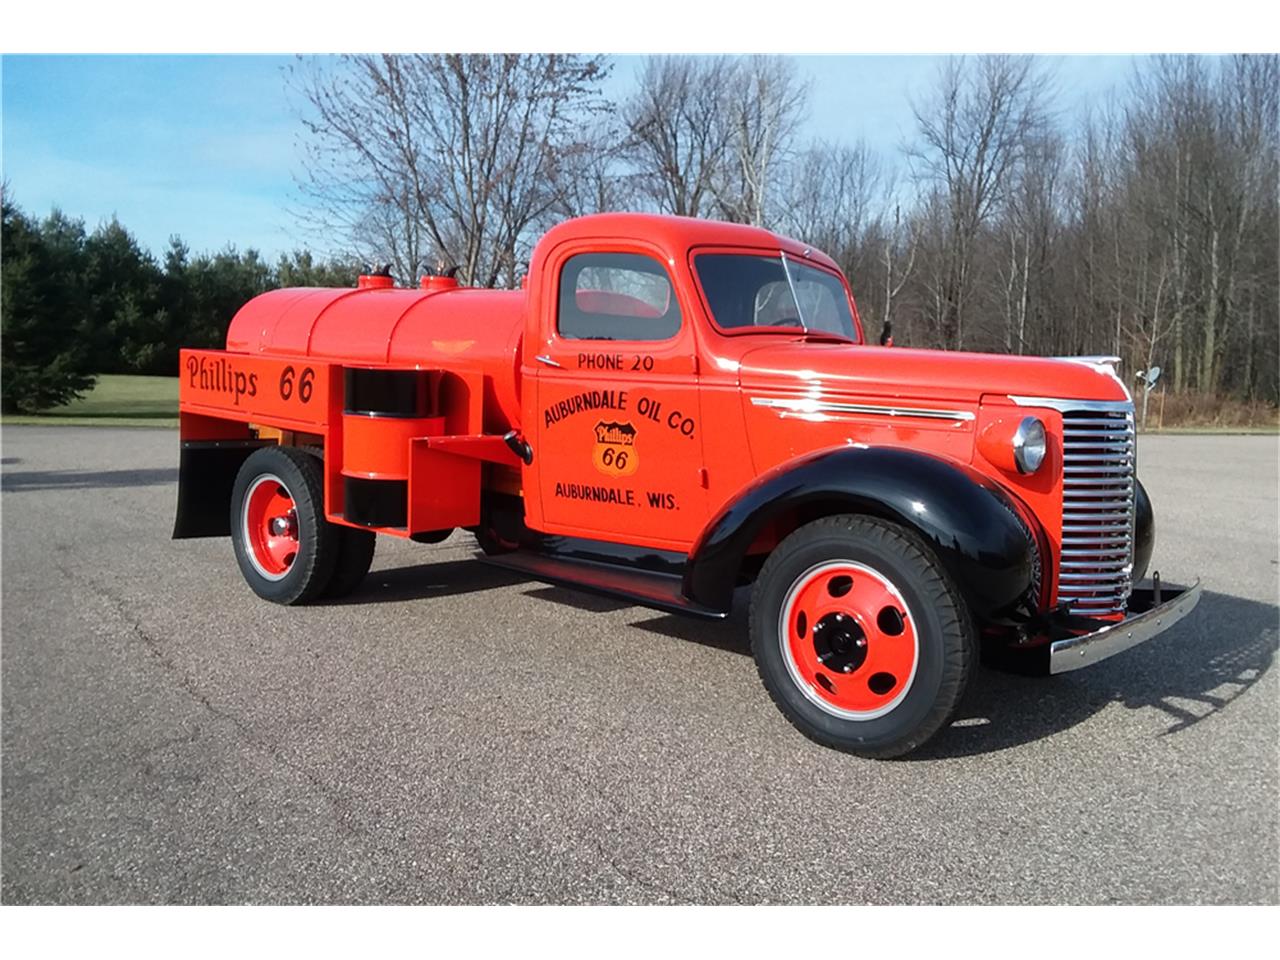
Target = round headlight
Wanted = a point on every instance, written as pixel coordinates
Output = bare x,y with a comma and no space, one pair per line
1029,445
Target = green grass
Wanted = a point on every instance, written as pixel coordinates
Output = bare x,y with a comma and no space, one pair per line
116,400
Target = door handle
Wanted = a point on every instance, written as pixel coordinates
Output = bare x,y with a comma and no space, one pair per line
519,446
543,358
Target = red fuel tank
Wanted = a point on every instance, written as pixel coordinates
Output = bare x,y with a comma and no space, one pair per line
438,326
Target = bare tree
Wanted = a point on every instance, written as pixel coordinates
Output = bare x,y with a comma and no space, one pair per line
898,265
1201,172
765,106
442,157
1090,305
592,174
832,195
1030,222
973,131
680,134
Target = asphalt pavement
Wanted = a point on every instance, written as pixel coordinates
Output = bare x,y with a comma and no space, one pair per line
453,733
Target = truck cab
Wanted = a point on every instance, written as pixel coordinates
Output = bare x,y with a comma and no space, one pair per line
681,412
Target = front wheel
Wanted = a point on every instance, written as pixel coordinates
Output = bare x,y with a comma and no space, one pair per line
860,636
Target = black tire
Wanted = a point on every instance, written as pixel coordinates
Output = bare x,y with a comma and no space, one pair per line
940,618
355,549
501,526
492,544
355,556
312,567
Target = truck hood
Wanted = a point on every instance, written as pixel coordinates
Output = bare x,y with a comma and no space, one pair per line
819,369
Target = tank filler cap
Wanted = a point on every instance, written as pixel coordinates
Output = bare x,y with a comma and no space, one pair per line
376,277
446,279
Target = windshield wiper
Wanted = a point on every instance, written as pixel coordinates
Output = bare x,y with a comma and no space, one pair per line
795,297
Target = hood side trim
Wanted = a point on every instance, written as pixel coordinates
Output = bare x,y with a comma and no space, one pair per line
1057,403
809,407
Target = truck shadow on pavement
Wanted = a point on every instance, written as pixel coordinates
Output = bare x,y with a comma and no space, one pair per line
85,480
1189,674
428,581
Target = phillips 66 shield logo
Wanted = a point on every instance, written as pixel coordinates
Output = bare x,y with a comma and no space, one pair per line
615,450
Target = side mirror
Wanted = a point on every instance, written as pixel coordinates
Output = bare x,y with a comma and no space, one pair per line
886,334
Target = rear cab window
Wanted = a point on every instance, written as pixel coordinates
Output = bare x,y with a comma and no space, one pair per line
616,296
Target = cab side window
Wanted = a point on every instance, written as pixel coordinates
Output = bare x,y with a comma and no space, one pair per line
616,296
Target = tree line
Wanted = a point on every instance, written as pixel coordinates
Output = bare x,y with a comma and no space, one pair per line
1145,227
75,302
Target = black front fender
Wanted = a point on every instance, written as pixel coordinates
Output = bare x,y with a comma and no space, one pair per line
1144,539
968,521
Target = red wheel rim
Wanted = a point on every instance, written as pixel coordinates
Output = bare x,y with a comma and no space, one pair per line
849,640
270,521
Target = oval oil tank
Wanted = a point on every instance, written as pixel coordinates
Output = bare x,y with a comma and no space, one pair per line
458,329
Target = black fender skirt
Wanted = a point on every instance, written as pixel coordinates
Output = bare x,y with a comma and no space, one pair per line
965,517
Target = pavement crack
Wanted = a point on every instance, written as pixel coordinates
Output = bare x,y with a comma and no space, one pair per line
597,844
344,817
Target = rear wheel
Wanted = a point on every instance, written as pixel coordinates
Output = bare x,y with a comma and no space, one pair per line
285,548
355,549
355,556
860,636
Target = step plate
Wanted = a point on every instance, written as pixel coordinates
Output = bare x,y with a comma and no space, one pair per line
643,587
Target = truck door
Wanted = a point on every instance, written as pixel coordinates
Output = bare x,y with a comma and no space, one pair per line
619,445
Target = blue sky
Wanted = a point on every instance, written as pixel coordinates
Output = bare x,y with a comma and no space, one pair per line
205,146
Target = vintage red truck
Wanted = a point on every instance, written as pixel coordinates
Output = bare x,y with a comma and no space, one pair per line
670,409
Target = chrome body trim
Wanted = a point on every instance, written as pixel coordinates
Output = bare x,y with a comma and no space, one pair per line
1098,360
810,407
1057,403
1083,651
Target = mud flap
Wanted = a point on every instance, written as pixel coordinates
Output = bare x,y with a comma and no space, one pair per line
206,472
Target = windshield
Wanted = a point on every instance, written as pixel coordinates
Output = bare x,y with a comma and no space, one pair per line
751,291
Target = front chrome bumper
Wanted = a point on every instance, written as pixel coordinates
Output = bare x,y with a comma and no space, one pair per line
1146,622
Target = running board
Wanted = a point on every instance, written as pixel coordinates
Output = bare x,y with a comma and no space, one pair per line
643,587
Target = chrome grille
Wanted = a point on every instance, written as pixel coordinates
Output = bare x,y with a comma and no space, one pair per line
1099,449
